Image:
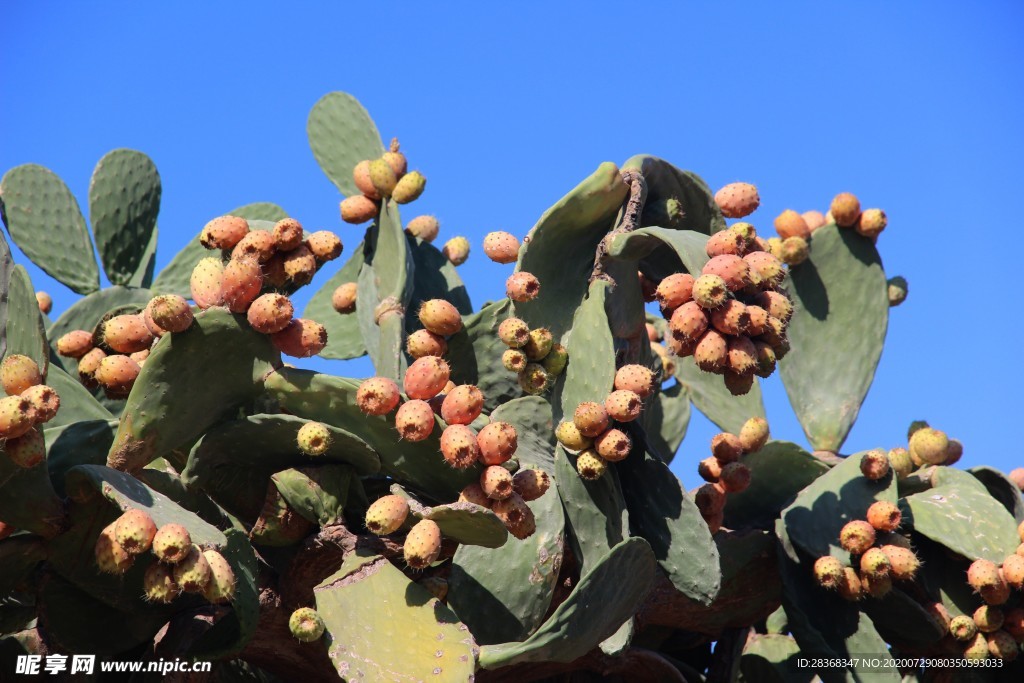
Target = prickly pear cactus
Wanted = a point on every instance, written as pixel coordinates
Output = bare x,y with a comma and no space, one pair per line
496,502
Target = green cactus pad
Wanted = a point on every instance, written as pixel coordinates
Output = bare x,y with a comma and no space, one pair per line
777,473
79,443
234,461
260,211
45,222
475,355
713,399
175,400
604,598
332,400
19,557
124,200
143,277
317,493
6,269
403,632
344,337
29,501
341,134
664,181
773,658
1002,489
840,311
160,477
661,512
469,524
22,329
688,247
841,495
562,246
76,403
940,512
666,419
902,621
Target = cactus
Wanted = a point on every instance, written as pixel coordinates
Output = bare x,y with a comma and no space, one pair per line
529,524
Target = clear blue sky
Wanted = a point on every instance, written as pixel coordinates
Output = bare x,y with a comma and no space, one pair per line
916,107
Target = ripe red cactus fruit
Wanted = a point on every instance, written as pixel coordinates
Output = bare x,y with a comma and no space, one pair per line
983,574
712,352
674,291
497,442
426,377
590,418
731,268
377,396
731,318
709,469
126,334
884,516
501,247
425,343
613,445
459,446
735,477
726,242
462,405
710,499
828,572
737,200
300,338
270,313
623,405
726,447
117,374
857,536
688,322
241,284
636,378
414,420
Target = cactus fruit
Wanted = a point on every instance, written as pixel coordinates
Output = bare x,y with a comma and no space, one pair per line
423,343
472,493
531,483
313,438
514,332
270,313
299,265
884,516
27,450
777,304
929,445
514,360
997,594
726,447
171,543
440,317
158,584
554,363
497,442
383,177
422,544
636,378
287,234
963,628
726,242
876,586
300,338
742,355
791,224
590,465
712,352
358,209
983,574
170,312
17,416
516,515
754,434
977,648
423,227
459,446
731,318
45,302
590,418
538,344
954,452
361,177
1013,571
871,223
652,333
193,572
456,250
613,445
387,514
426,377
117,374
988,618
897,289
828,572
126,334
534,379
396,160
857,536
1013,623
571,438
45,402
775,247
710,291
221,587
75,344
522,286
501,247
409,187
206,281
496,482
18,373
709,469
462,405
223,232
623,405
377,396
900,462
674,291
813,219
134,531
737,200
306,625
709,499
733,270
414,420
240,284
735,477
903,563
274,275
1002,646
845,210
768,269
795,251
766,359
850,586
875,563
874,464
739,384
111,558
688,322
324,245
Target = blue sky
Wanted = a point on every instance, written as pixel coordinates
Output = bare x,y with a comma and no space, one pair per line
914,106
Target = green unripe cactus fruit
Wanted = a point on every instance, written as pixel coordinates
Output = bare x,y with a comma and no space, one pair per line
135,530
569,435
514,333
409,187
828,572
710,291
534,379
538,344
459,446
313,438
554,363
754,434
462,405
423,544
522,286
306,625
590,465
383,177
514,360
497,442
158,584
456,250
221,587
929,445
193,572
963,628
901,462
172,543
794,251
387,515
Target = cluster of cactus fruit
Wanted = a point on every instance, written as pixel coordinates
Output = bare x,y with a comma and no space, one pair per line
496,502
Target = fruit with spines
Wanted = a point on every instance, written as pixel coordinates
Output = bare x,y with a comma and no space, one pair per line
240,284
954,452
299,265
27,450
358,209
17,416
766,359
636,378
531,483
983,574
383,177
623,405
709,469
497,442
423,227
75,344
514,360
223,232
571,438
126,333
538,344
851,588
735,477
496,482
857,536
877,586
884,516
757,320
674,291
709,499
988,618
754,434
963,628
874,562
712,352
514,332
845,210
733,270
903,563
929,445
590,465
522,286
324,245
1013,623
688,322
426,377
158,584
710,291
814,220
111,557
901,462
791,224
425,343
387,514
731,318
409,187
795,251
270,313
258,245
555,361
874,464
170,312
459,446
45,402
534,379
472,493
18,373
767,267
738,384
1013,571
828,572
726,447
440,317
871,223
287,234
414,420
462,405
501,246
300,338
897,290
1002,646
171,543
205,283
613,445
423,544
777,304
456,250
313,438
221,587
45,302
737,200
377,396
726,242
117,374
306,625
742,355
516,515
977,648
590,418
134,531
